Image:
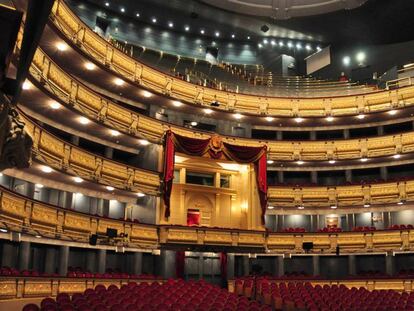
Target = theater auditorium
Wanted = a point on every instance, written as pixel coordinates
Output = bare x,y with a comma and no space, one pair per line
206,155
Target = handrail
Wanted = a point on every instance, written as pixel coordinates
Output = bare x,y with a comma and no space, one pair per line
61,155
103,52
87,102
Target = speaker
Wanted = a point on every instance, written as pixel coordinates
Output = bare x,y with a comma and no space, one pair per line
307,246
93,239
264,28
111,233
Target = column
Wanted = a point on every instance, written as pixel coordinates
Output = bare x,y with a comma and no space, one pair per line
91,260
380,130
63,260
246,265
280,222
30,190
389,263
351,265
315,265
136,263
314,177
384,172
348,175
386,216
280,266
312,135
200,266
74,140
314,223
167,259
68,200
279,135
346,134
230,266
8,255
50,260
101,260
24,255
109,152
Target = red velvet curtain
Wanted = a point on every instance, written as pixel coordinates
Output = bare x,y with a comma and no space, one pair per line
199,147
179,264
223,265
193,218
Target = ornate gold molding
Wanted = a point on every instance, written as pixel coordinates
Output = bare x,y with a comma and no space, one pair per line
103,52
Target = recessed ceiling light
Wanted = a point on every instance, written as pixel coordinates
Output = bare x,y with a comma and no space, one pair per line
38,236
106,3
265,41
137,15
217,34
361,116
301,207
364,159
115,133
298,46
83,120
119,82
308,47
26,85
270,161
79,194
334,206
202,31
396,156
270,207
208,111
273,42
171,24
269,119
187,28
154,20
290,44
281,43
367,205
122,10
392,112
90,66
3,230
233,36
300,162
140,194
332,161
46,169
194,123
318,48
248,37
144,142
329,119
299,120
237,116
40,186
77,179
146,94
54,105
61,46
259,45
110,188
400,203
177,103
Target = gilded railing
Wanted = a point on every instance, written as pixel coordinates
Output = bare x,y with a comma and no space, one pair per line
60,155
105,53
35,287
20,214
92,105
347,196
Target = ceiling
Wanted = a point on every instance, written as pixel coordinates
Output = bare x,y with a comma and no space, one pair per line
283,9
369,22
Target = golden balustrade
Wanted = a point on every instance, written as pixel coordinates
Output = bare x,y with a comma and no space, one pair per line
60,155
21,214
352,195
370,284
91,104
35,287
103,52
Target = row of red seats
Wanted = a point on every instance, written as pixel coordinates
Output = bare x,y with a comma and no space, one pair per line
174,295
401,227
296,229
330,229
304,296
364,229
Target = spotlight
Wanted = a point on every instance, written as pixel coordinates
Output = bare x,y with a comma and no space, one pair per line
360,57
26,85
122,10
367,205
217,34
270,207
233,36
137,15
39,186
248,37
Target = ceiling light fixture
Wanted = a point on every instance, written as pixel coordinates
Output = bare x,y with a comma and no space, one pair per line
39,186
119,82
299,120
300,162
270,207
202,31
270,161
177,103
208,111
217,34
334,206
54,105
154,20
77,179
144,142
233,36
90,66
46,169
361,116
146,94
392,112
396,156
237,116
364,159
194,123
301,207
26,85
269,119
137,15
122,10
115,133
61,46
171,24
332,161
3,230
140,194
329,119
400,203
106,3
83,120
367,205
187,28
110,188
